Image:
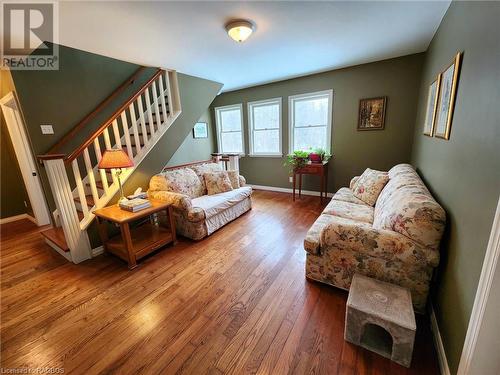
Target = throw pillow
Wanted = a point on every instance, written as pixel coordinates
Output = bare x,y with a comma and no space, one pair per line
369,185
234,177
201,169
217,182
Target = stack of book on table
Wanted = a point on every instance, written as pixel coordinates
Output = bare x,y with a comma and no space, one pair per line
135,205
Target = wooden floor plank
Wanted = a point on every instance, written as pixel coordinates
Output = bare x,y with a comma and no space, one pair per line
236,302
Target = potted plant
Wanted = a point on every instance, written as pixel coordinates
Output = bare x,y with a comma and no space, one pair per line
296,160
319,155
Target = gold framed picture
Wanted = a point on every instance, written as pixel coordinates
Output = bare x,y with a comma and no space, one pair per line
372,113
446,101
432,102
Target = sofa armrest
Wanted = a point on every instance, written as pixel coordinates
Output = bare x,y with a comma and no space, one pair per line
353,181
380,243
242,180
180,201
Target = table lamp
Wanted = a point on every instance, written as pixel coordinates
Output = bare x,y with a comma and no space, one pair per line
116,159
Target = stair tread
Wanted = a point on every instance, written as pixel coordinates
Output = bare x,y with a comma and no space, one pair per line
88,198
56,235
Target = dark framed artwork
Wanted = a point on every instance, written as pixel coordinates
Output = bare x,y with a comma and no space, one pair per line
200,130
372,113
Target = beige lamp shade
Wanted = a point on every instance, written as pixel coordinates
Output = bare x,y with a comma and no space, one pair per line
115,158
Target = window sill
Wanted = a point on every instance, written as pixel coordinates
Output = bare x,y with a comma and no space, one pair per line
266,155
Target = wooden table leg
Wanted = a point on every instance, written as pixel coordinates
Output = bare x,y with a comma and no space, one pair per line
103,233
294,178
300,185
326,181
322,187
127,240
171,219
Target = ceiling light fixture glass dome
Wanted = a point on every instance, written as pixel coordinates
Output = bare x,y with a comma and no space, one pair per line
239,30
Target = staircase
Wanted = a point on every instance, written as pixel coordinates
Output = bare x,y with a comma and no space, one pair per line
79,187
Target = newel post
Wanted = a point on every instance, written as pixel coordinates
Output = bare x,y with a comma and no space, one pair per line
76,238
234,162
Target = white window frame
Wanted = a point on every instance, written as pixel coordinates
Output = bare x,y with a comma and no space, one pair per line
251,130
218,126
310,95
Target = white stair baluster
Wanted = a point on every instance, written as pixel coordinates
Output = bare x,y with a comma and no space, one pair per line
149,112
162,100
90,172
135,129
140,108
169,94
102,172
126,134
107,142
155,103
116,133
79,186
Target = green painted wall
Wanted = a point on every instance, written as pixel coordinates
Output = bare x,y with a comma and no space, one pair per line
196,149
13,194
353,151
464,172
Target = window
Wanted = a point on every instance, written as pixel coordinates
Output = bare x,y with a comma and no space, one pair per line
310,117
264,127
229,123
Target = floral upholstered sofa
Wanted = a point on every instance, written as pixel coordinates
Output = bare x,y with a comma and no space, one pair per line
396,241
198,214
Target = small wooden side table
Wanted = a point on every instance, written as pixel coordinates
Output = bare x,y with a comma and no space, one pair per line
136,243
318,169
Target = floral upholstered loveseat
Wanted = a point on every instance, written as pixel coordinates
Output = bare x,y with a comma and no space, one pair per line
197,214
396,241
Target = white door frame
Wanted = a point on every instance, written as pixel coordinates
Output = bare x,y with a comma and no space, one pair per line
489,271
22,149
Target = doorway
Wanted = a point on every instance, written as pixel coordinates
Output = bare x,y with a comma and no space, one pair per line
22,149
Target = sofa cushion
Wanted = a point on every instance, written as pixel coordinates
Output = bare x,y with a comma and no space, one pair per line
406,206
234,177
214,204
201,169
353,211
311,242
182,181
369,185
217,182
346,195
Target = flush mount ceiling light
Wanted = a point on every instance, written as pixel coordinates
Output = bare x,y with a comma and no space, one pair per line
239,30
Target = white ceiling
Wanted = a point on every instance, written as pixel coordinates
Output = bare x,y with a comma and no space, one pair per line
291,38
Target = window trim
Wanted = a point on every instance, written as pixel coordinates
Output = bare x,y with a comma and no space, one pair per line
218,126
291,104
250,106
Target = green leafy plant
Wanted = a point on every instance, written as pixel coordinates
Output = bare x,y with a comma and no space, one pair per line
296,160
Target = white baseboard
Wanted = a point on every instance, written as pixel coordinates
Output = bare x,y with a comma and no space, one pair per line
97,251
10,219
287,190
443,362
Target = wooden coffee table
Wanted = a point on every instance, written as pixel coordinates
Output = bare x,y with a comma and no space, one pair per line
137,242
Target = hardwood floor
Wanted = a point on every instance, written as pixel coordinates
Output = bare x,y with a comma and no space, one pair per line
236,302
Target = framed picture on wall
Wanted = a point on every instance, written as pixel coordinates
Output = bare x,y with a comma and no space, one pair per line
432,101
200,130
446,101
372,113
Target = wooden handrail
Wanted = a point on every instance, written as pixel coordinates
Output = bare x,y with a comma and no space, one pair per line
114,116
71,134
